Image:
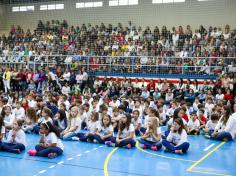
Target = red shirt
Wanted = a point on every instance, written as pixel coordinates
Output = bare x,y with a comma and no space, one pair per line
203,119
185,117
151,86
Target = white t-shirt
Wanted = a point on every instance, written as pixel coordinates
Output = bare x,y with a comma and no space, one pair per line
65,90
32,103
92,126
193,124
20,137
3,130
51,138
136,122
177,138
8,120
126,132
19,113
75,122
210,125
106,130
152,139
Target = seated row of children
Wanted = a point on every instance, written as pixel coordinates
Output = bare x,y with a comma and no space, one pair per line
92,122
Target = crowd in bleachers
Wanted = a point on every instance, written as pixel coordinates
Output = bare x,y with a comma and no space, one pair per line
55,37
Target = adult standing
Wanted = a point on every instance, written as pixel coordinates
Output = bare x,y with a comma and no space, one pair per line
6,80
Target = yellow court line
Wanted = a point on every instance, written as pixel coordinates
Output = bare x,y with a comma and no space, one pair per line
209,173
162,156
107,161
205,156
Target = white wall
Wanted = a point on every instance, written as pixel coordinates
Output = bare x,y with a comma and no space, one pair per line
215,13
2,17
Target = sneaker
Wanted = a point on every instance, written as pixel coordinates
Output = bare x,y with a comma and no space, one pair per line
128,146
178,151
165,149
89,140
52,155
75,138
95,141
110,144
207,136
143,146
32,152
154,148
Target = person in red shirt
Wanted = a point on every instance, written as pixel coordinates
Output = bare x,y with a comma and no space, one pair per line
202,118
151,87
228,95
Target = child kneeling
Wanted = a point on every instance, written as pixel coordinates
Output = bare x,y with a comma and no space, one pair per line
49,145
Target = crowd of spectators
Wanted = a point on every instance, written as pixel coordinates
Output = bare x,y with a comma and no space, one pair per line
199,47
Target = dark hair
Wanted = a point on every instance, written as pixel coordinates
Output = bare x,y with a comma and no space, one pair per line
180,122
20,122
32,114
215,117
62,114
109,117
1,122
3,110
49,126
136,111
48,112
127,124
96,115
176,112
227,114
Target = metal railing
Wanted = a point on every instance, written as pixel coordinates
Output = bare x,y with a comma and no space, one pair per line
125,64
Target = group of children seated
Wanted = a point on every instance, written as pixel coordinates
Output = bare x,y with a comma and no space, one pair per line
116,123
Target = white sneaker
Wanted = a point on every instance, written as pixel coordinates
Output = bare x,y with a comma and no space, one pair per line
75,138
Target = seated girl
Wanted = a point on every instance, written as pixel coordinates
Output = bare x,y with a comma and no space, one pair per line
46,116
15,142
106,131
126,134
137,122
49,145
93,128
176,141
225,129
74,125
30,120
60,120
152,137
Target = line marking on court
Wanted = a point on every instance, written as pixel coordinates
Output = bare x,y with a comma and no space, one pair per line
162,156
87,151
95,148
61,162
70,159
51,166
101,146
209,173
42,171
207,148
204,157
79,155
107,160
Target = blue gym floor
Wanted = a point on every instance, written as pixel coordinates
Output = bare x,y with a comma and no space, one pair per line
205,157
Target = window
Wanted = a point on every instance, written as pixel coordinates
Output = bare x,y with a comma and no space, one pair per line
22,8
122,2
166,1
88,4
52,7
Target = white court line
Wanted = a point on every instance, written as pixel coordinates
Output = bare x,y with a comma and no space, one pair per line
87,151
210,146
79,154
51,166
95,148
42,171
70,159
61,162
101,146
